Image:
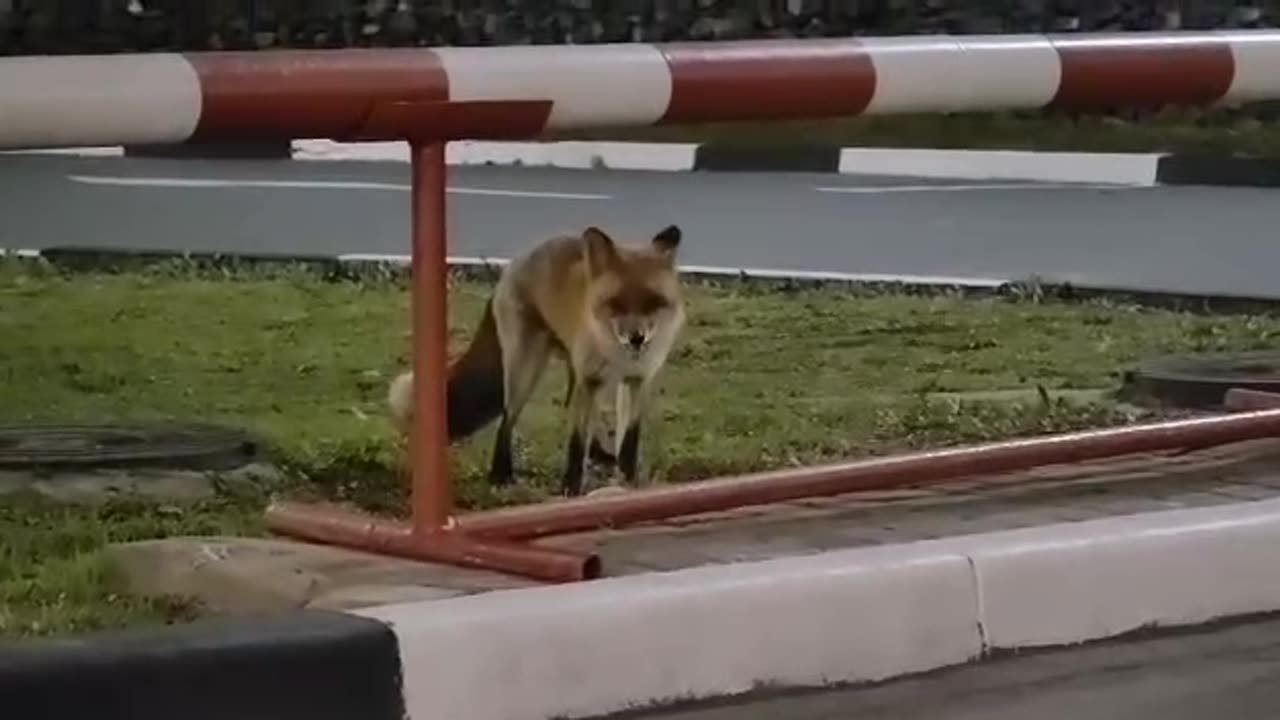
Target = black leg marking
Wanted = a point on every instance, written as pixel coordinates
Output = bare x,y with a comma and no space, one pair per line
630,452
501,470
601,456
572,485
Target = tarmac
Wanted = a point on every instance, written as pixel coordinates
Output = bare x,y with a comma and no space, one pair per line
1228,671
979,232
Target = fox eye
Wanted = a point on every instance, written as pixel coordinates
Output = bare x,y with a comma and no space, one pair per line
616,306
652,303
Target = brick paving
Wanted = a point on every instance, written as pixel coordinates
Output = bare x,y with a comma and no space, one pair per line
1138,483
247,574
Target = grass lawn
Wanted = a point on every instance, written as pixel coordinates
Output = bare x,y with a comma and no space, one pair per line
763,379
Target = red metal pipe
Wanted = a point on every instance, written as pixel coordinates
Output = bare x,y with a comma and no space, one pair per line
429,441
1242,399
877,473
348,529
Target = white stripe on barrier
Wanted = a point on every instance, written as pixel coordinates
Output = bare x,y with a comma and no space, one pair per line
1257,66
621,84
978,72
852,615
121,100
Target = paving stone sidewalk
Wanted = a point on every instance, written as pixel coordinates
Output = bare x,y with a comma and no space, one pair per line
236,574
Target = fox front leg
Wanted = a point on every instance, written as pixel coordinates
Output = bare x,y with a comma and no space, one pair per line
582,398
635,392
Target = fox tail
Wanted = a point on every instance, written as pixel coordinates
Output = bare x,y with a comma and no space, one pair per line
475,392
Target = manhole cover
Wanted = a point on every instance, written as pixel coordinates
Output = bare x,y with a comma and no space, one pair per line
1200,382
165,445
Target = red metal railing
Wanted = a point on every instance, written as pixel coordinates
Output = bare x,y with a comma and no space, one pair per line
430,97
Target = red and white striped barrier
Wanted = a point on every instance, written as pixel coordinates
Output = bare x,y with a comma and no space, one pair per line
168,98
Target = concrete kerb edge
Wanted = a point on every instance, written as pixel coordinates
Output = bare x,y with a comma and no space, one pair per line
856,616
356,265
1126,169
308,665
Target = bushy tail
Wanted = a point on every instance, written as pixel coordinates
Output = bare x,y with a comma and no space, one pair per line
474,389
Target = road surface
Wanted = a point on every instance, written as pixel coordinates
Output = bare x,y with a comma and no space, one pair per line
1226,673
1191,239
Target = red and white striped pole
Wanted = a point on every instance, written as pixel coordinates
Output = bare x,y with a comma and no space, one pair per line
432,96
67,101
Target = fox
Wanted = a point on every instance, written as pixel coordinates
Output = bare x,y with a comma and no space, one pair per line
611,311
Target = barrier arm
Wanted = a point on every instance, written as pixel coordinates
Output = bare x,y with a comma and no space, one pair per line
432,96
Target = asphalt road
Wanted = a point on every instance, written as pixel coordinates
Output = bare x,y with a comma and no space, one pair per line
1227,673
1190,239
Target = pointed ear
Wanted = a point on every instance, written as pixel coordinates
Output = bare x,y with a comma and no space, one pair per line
667,240
601,253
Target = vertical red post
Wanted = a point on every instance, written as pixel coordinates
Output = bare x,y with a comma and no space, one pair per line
429,443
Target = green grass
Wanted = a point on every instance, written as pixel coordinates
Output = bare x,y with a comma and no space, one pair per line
1222,131
763,379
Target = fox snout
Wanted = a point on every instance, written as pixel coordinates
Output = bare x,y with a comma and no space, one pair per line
633,336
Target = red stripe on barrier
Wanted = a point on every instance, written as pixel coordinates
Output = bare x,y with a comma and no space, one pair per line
750,80
1133,71
308,93
435,121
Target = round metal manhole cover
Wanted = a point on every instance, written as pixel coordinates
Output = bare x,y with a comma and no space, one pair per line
1200,382
173,445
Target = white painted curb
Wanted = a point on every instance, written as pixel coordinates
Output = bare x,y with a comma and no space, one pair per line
1114,168
719,271
856,615
1111,168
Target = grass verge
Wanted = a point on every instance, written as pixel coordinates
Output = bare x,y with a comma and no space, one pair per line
763,379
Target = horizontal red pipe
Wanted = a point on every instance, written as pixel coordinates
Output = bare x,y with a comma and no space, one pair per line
873,474
331,526
159,98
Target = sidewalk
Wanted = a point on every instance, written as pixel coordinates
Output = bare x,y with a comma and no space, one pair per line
244,575
796,595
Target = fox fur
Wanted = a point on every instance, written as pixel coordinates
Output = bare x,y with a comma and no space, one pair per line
612,312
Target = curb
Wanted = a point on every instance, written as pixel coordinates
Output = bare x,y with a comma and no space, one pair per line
853,616
307,665
593,649
1202,381
356,265
1140,169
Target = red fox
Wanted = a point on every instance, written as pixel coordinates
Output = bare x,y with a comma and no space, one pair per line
611,311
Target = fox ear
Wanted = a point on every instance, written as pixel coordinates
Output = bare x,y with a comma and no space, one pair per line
667,240
601,254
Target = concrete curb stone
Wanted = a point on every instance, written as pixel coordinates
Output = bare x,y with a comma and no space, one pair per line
1142,169
591,649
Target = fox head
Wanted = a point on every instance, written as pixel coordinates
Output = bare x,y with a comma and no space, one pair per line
635,294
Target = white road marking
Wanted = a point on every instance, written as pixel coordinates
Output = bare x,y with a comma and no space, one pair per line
972,282
876,189
315,185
